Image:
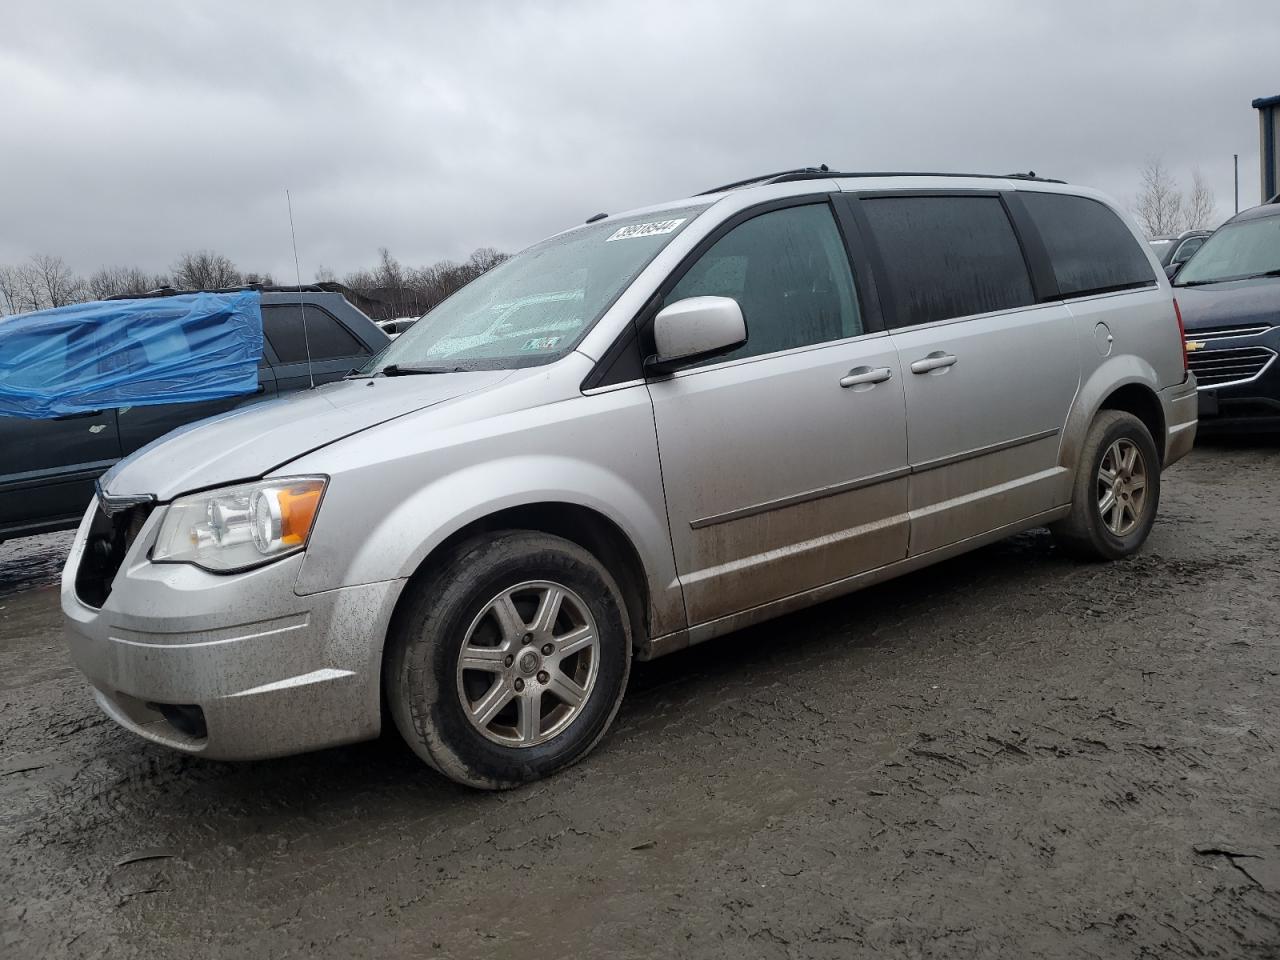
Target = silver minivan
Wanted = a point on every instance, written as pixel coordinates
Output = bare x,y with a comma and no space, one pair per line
705,414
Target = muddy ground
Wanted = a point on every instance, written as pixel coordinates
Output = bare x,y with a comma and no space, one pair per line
1008,755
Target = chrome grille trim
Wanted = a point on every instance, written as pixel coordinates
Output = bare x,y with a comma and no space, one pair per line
1229,367
1227,333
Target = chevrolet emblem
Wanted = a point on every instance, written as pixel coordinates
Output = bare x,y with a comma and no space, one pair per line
1193,345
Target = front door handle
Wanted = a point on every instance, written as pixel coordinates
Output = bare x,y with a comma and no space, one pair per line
865,375
934,361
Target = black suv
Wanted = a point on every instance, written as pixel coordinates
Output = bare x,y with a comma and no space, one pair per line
1229,294
48,467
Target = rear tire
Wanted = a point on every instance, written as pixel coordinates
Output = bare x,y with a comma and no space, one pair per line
1116,493
509,663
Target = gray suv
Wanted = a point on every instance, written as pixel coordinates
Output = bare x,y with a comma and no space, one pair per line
640,434
49,466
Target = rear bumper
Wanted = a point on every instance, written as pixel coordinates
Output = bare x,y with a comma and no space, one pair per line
1181,417
267,672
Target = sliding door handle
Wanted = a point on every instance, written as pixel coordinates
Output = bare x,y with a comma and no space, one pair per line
869,375
934,361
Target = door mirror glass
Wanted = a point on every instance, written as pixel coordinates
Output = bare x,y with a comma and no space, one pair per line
694,329
1172,269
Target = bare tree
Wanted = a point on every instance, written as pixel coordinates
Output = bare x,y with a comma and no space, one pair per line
1200,207
11,300
325,275
260,278
59,286
1159,206
205,270
118,281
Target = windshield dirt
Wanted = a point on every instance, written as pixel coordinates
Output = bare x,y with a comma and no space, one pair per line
534,307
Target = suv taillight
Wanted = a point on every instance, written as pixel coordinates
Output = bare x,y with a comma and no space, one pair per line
1182,338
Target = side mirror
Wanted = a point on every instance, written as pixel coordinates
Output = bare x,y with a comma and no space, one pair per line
695,329
1172,269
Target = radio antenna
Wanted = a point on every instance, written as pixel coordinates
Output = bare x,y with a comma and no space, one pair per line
302,303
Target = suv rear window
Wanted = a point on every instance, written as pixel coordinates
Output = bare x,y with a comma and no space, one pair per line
948,257
328,338
1091,249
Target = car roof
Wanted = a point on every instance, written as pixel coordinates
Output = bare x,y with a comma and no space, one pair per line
1269,209
788,182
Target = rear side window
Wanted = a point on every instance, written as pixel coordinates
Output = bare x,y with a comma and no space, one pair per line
1091,249
948,257
329,339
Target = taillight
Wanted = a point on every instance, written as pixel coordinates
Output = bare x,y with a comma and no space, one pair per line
1182,337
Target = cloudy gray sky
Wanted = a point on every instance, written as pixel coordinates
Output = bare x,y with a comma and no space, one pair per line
132,131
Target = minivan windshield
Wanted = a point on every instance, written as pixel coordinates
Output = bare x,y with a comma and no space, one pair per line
1248,248
535,307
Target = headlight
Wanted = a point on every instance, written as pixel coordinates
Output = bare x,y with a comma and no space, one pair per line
240,527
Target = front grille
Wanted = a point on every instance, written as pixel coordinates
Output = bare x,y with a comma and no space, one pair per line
110,538
1218,368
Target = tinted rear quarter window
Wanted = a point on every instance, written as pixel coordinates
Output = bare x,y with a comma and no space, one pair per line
948,257
329,339
1090,248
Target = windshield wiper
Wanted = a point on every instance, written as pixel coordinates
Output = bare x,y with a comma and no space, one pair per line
1250,276
395,370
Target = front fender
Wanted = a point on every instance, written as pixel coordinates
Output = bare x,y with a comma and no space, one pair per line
396,494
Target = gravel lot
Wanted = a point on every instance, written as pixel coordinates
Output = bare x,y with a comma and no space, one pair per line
1008,755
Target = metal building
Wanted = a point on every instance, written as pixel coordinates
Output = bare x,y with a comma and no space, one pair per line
1269,144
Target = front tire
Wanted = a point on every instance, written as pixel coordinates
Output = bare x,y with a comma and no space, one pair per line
510,662
1116,493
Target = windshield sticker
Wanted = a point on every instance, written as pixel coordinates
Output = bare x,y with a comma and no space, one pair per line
645,229
541,343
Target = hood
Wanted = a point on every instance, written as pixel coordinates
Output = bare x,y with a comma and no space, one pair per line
254,440
1230,304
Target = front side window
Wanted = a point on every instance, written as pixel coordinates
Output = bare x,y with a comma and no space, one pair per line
1091,249
789,273
534,307
324,336
1247,248
948,257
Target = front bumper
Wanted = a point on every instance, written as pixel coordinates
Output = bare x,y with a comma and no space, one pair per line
268,672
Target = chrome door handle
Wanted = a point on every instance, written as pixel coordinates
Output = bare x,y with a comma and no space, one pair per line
865,375
934,361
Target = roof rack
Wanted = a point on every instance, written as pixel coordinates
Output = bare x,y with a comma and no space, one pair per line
322,287
822,172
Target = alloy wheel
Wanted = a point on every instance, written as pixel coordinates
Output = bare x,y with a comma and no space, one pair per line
1122,487
528,663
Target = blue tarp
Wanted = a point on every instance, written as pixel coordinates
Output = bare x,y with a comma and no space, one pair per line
121,353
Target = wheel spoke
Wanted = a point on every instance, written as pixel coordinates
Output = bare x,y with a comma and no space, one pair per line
509,619
1107,502
567,690
1129,454
1117,517
574,641
548,610
528,716
487,707
1137,484
488,659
